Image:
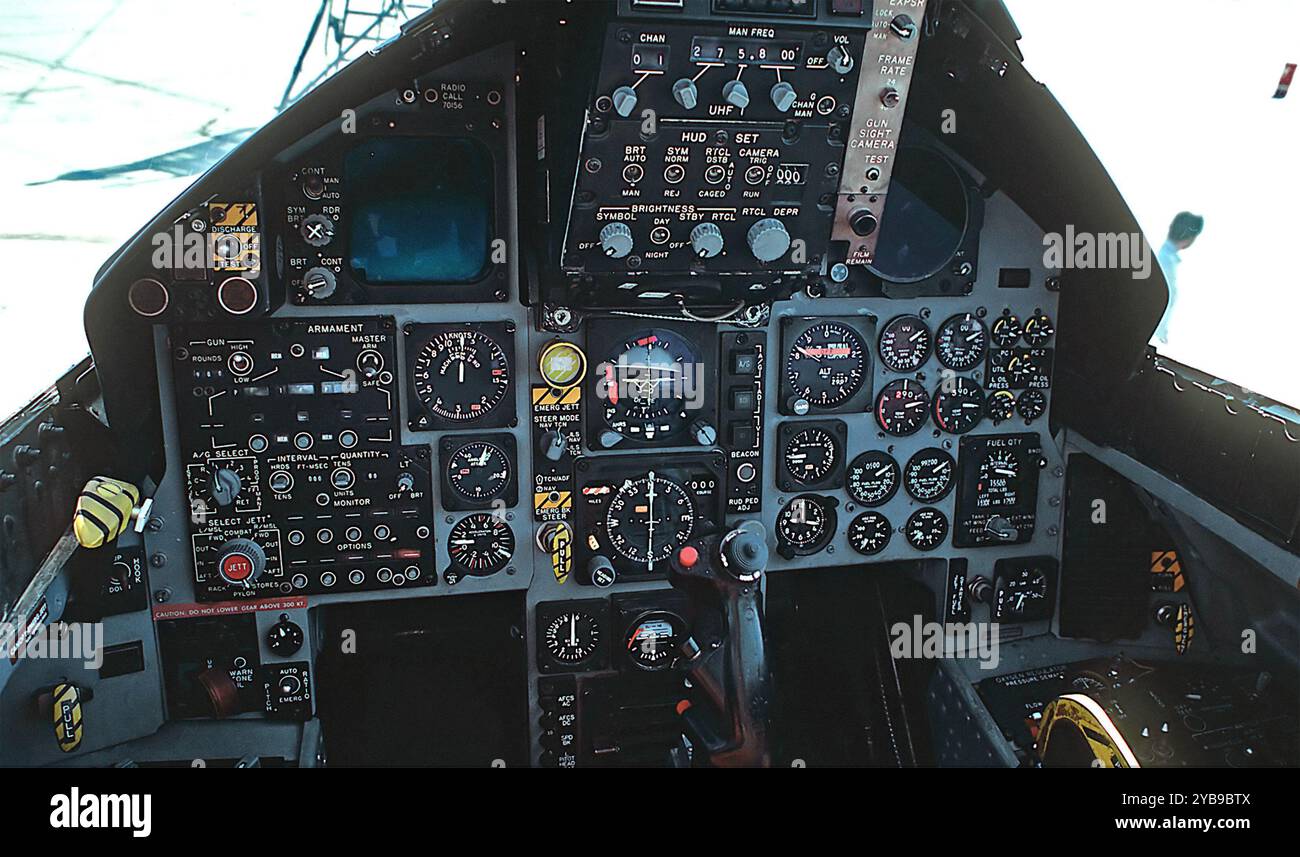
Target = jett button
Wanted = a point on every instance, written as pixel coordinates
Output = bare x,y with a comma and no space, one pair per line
688,556
236,567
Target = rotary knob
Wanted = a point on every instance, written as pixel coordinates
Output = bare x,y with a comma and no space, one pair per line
241,561
840,60
319,283
706,240
224,485
686,93
736,94
624,99
616,240
285,637
783,96
768,239
317,230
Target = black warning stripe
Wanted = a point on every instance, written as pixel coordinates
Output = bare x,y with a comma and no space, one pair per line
117,513
103,528
116,488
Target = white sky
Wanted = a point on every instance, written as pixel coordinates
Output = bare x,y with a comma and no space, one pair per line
1175,96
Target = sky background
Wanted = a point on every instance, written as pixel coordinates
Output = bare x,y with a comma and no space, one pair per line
1181,114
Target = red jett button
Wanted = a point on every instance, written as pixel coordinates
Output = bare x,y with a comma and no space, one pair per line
688,556
236,567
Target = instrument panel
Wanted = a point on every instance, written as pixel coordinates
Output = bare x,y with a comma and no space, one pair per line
401,420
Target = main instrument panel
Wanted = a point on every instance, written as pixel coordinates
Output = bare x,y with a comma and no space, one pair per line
382,408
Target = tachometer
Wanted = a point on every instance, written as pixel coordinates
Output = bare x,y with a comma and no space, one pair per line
929,475
461,375
902,407
905,344
962,342
873,478
827,364
958,405
648,519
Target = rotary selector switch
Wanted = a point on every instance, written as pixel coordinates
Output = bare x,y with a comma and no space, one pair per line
706,240
241,561
768,239
317,230
616,240
224,485
735,93
783,96
624,99
840,60
319,283
686,93
284,638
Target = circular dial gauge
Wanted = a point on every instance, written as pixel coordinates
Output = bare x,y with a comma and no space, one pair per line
959,406
648,519
926,529
869,533
1038,330
572,637
962,342
1017,366
998,477
929,474
1002,406
905,344
902,407
481,543
1022,596
653,639
1006,331
827,364
806,524
644,386
461,375
1031,405
479,470
873,478
811,455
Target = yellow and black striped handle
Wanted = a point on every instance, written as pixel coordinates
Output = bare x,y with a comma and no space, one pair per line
104,511
67,716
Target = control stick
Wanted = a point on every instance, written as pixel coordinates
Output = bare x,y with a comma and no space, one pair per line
732,673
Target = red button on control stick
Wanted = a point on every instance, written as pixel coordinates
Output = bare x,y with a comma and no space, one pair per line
688,556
